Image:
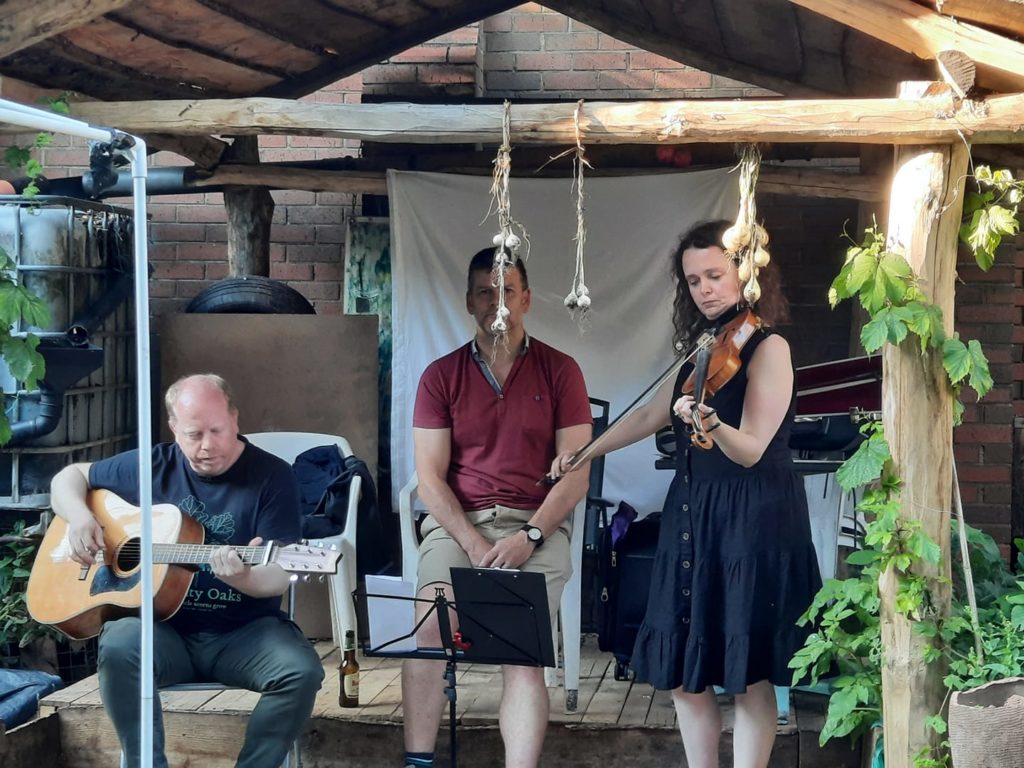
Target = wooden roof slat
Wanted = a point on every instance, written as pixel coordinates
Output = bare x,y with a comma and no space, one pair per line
57,65
1000,15
24,23
208,31
997,120
912,27
150,56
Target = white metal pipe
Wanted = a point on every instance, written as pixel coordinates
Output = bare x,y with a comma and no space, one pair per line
145,424
41,120
37,119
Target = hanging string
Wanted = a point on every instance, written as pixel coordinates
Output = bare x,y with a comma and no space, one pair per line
578,300
746,241
506,242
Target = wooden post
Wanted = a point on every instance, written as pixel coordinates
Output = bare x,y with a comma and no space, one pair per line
917,405
249,214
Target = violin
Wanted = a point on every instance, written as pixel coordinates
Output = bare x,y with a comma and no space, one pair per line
714,366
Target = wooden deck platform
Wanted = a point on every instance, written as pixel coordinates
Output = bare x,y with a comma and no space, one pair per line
617,723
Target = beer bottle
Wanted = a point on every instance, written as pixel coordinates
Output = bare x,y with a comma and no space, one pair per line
348,696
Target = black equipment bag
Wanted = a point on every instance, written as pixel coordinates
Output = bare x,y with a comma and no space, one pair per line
624,580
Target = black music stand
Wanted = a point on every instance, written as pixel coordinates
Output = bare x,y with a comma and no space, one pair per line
503,619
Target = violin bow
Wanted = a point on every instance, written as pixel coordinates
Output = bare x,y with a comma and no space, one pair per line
704,341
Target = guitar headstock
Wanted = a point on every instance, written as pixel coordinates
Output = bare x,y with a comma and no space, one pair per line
309,557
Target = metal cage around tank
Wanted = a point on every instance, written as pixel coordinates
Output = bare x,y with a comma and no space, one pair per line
76,255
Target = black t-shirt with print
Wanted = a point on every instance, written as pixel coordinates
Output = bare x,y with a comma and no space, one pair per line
256,496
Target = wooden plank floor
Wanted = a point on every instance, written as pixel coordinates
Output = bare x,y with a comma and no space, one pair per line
603,701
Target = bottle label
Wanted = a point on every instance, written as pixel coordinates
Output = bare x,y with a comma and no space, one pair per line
352,686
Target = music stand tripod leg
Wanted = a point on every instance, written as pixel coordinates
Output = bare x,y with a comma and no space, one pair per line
447,642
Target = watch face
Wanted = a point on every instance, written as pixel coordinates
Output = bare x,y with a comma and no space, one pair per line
533,534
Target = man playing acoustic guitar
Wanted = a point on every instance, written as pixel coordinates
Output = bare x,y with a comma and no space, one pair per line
230,628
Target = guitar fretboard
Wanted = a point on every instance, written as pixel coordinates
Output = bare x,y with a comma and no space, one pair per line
199,554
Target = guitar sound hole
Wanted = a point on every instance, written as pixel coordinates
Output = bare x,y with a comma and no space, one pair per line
129,556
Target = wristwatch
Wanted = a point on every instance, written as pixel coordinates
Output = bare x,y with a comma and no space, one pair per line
534,534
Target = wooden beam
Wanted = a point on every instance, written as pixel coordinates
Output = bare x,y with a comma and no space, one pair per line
1004,15
283,177
920,30
204,151
917,411
802,182
996,120
24,23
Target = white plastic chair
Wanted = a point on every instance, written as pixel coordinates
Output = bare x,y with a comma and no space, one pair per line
569,608
288,445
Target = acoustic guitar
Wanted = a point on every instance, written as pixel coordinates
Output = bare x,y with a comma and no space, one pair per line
77,599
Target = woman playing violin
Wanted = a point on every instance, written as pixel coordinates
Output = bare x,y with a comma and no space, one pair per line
735,566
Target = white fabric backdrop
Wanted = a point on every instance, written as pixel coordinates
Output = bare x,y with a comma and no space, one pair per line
632,225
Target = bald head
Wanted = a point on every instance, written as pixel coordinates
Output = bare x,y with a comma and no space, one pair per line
204,421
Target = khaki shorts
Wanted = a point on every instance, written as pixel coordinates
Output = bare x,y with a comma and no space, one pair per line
439,552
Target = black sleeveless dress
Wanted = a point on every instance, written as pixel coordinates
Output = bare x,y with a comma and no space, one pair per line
735,566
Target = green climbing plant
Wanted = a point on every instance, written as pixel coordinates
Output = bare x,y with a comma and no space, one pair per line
846,613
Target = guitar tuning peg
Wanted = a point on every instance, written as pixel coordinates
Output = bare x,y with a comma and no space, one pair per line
305,579
293,577
321,578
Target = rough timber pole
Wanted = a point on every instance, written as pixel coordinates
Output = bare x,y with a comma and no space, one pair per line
924,216
250,211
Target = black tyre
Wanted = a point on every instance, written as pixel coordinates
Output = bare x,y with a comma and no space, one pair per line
252,296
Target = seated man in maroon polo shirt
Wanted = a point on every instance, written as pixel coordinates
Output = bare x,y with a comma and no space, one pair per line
489,419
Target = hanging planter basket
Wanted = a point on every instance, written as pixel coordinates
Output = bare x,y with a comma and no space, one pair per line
986,725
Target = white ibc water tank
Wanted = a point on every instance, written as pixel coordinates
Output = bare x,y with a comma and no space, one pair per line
77,256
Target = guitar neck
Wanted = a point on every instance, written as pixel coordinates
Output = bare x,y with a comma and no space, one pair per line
199,554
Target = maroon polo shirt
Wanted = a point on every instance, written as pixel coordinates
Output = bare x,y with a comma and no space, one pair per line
502,442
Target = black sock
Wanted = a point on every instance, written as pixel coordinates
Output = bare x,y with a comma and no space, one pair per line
419,759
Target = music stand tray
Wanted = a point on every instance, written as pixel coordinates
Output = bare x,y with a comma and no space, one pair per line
503,617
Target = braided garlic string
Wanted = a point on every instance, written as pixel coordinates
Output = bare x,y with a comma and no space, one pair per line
746,241
578,300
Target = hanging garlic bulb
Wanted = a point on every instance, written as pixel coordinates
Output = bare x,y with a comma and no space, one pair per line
761,257
736,237
744,271
752,291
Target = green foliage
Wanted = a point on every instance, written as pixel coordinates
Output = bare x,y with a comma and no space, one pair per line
865,466
887,288
16,626
990,213
19,352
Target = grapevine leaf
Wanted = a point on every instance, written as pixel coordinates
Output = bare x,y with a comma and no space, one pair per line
955,359
980,377
875,331
865,465
23,361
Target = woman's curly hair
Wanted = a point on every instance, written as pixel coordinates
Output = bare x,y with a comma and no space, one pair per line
687,319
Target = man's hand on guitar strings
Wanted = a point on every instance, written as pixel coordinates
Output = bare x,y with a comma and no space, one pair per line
86,539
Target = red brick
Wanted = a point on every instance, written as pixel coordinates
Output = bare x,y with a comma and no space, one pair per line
446,74
998,493
216,270
389,73
515,41
313,141
495,62
186,289
462,54
273,142
513,81
421,54
980,474
161,289
216,233
639,59
539,22
330,233
286,155
304,253
315,290
600,61
328,307
987,313
686,78
571,41
642,80
984,433
283,270
203,251
168,232
543,61
501,22
570,81
283,197
200,213
316,214
191,270
328,271
286,234
606,42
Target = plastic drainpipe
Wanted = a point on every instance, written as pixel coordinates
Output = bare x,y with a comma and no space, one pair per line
37,119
